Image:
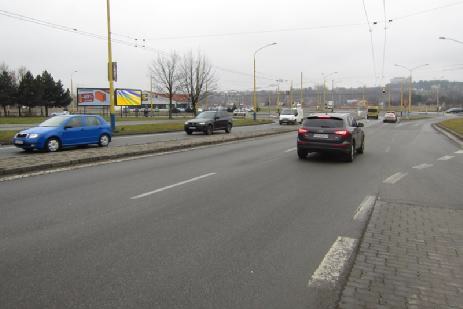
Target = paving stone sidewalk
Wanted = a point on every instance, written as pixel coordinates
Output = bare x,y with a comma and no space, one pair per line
28,162
409,257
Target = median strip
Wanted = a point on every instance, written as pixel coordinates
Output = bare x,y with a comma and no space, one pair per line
171,186
335,261
364,209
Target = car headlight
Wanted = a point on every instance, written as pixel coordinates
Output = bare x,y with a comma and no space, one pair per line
33,135
186,122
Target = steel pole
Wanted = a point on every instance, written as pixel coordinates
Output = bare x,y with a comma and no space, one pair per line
110,69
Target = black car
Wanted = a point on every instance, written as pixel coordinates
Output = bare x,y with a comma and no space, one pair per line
331,132
455,110
210,121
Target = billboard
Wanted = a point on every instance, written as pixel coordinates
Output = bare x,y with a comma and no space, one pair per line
128,97
93,96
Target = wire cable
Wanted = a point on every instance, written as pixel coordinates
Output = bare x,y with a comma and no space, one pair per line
371,39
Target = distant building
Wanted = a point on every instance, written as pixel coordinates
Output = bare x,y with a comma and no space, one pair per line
398,80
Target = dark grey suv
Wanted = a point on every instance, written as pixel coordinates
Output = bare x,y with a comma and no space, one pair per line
331,132
210,121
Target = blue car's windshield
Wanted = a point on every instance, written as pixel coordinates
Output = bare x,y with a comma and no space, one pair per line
54,121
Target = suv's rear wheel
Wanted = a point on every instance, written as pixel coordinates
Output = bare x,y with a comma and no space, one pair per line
362,148
302,154
351,153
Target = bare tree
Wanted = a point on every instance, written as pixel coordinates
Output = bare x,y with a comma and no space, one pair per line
165,72
197,75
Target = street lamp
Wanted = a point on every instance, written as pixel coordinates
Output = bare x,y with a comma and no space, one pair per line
254,100
324,86
110,69
450,39
72,90
410,70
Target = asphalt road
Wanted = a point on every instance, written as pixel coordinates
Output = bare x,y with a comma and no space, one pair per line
239,225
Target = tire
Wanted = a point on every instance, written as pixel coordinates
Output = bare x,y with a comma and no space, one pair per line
209,130
351,153
189,132
302,154
28,150
228,128
362,148
53,144
104,140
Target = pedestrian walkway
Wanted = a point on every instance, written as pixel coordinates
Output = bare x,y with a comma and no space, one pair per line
410,257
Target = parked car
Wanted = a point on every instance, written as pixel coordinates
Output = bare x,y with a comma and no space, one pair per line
64,131
331,132
59,113
239,113
455,110
209,121
390,117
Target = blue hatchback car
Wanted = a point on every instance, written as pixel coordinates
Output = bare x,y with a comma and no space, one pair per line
64,131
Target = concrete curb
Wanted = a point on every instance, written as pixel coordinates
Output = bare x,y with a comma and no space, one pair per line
452,135
120,152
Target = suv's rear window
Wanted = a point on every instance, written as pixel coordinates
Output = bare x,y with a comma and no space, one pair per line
373,110
323,123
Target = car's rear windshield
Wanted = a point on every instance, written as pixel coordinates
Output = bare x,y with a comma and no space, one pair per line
374,110
54,121
316,122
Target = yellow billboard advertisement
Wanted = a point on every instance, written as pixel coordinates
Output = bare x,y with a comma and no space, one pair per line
128,97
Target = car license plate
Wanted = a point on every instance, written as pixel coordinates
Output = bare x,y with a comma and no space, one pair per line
18,142
320,135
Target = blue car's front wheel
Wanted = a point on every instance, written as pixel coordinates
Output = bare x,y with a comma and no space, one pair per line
52,144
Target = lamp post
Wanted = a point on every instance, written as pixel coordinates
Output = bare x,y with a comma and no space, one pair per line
110,69
324,86
410,70
254,98
72,90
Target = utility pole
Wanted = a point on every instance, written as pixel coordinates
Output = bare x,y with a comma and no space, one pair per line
291,95
410,95
389,92
110,69
332,90
151,94
205,99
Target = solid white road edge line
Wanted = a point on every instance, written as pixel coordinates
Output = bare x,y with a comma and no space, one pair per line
330,269
291,149
445,158
171,186
459,151
422,166
364,208
395,178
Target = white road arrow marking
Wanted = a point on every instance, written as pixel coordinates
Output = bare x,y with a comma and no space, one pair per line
395,178
422,166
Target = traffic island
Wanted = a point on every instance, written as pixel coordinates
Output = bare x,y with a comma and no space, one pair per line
31,162
452,128
409,257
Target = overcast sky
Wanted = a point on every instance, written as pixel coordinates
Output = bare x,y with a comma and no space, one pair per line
333,36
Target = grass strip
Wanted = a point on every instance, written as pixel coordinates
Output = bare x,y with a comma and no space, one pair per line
455,124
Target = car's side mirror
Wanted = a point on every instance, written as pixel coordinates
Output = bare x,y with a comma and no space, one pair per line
360,125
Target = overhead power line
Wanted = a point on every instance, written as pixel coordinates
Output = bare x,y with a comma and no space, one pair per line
373,58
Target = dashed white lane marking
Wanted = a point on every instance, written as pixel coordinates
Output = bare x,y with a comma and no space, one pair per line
459,151
445,158
423,166
171,186
388,148
364,208
395,178
334,262
291,149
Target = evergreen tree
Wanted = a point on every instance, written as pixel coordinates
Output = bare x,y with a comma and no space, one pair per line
8,90
28,92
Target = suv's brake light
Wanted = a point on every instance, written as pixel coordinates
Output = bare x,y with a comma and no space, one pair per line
302,131
342,132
